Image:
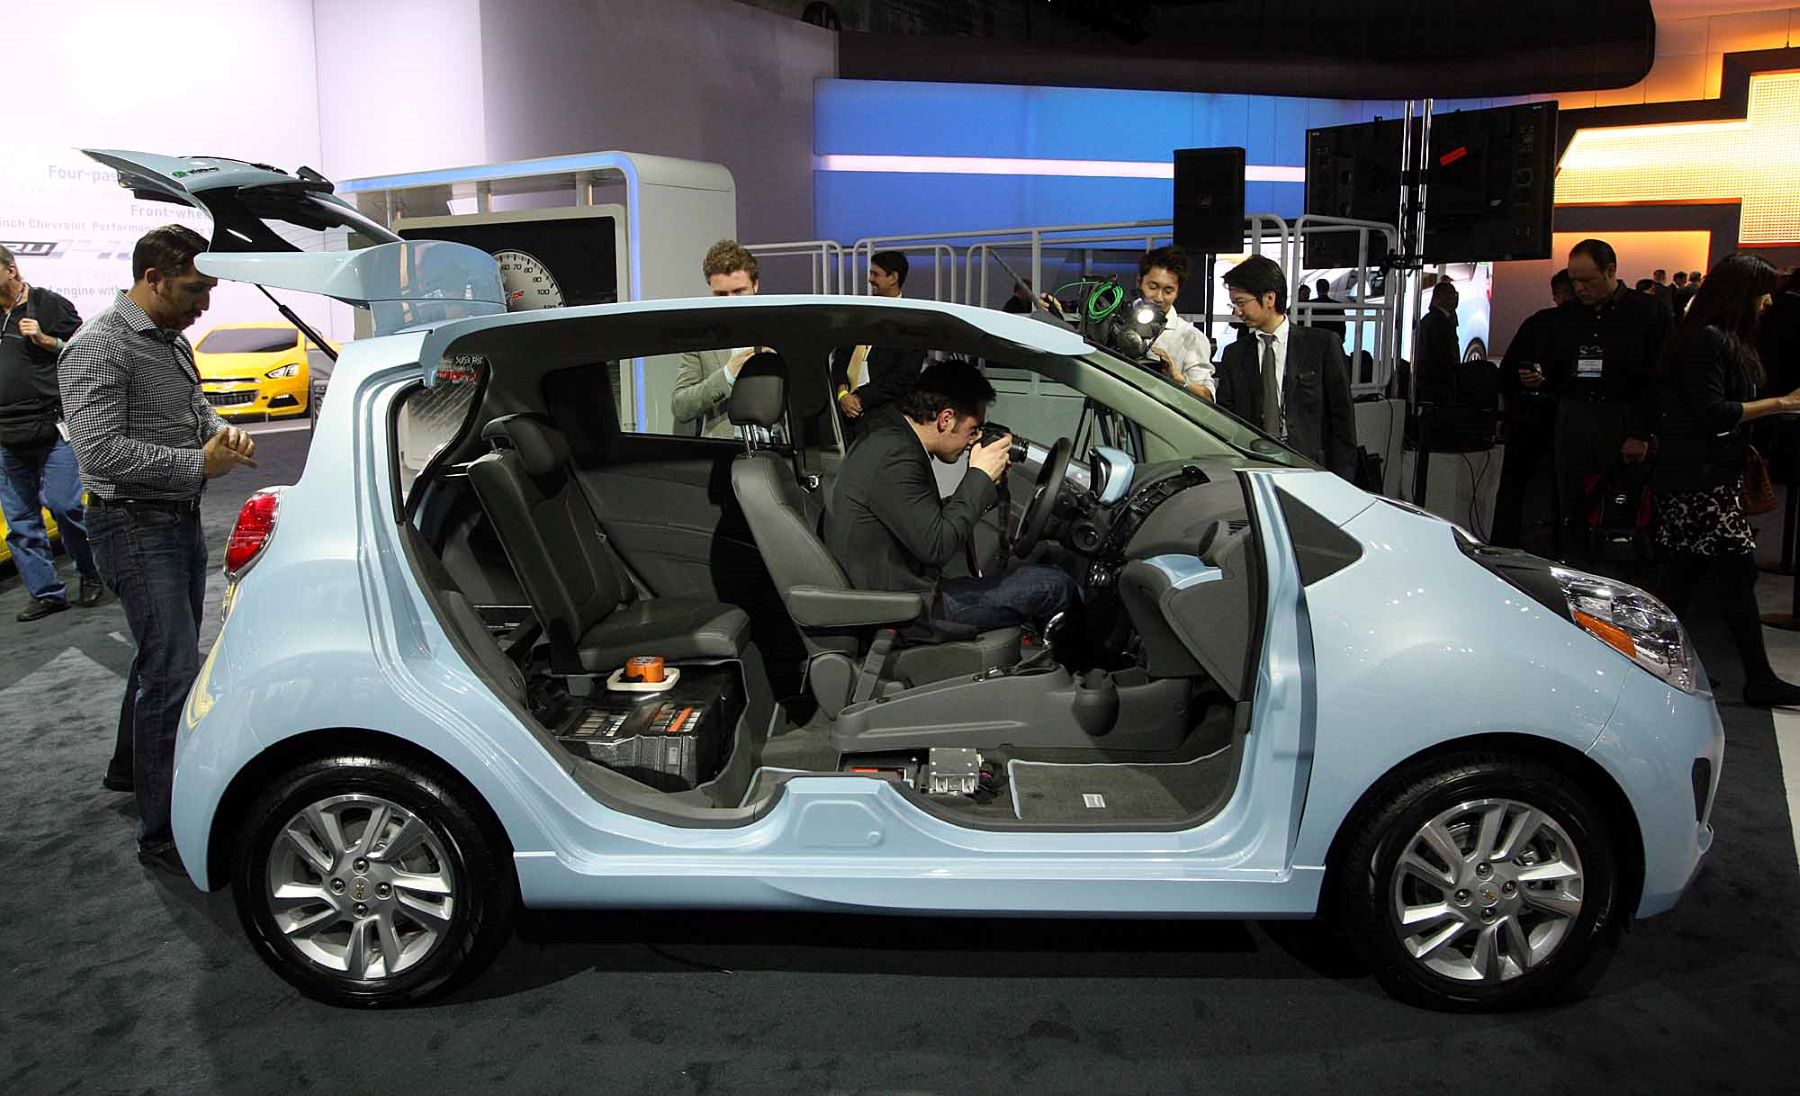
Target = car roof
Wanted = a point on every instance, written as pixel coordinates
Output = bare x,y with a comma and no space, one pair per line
852,311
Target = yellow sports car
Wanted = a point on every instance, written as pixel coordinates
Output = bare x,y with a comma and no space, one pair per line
255,371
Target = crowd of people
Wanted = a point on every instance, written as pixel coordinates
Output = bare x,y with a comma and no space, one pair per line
1649,395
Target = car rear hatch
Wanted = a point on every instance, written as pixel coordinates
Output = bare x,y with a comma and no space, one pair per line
286,231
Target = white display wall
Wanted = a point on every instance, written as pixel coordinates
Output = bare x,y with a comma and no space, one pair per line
207,77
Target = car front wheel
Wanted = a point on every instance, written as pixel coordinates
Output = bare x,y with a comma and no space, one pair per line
370,882
1484,882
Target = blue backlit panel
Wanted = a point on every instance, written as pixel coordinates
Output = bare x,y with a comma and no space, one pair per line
899,118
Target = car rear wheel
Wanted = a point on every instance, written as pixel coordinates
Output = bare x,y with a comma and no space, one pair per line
370,882
1483,882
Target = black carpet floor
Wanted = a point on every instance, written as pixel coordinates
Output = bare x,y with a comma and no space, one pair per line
117,980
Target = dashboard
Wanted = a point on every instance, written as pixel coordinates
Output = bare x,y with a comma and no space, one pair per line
1112,509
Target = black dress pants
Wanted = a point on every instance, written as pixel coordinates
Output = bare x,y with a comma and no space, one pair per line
1530,449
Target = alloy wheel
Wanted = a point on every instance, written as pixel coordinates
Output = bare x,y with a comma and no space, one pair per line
1486,891
361,886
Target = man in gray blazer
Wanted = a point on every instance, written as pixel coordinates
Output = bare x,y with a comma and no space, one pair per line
704,380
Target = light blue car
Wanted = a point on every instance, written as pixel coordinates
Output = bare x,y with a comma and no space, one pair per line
1284,697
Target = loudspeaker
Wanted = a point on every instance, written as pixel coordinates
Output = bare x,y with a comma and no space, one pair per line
1209,199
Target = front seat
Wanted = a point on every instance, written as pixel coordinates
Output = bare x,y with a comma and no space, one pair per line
852,637
590,610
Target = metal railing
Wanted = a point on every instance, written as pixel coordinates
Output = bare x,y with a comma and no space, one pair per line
844,270
1359,309
825,258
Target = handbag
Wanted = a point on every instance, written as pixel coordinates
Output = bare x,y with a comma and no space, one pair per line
1757,490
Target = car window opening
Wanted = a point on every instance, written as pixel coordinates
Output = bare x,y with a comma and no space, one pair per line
564,541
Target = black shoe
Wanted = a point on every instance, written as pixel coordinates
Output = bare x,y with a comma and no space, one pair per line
93,592
162,856
117,783
40,608
1771,694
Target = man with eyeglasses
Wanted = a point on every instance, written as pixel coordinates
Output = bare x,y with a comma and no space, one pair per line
1599,362
1291,381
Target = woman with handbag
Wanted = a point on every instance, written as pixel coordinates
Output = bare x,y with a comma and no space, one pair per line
1706,472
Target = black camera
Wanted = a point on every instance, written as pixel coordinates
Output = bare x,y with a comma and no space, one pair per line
992,432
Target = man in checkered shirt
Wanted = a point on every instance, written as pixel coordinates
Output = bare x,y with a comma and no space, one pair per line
148,441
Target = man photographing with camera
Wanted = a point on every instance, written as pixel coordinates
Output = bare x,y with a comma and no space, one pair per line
889,528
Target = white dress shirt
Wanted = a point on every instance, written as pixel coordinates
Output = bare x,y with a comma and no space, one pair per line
1190,349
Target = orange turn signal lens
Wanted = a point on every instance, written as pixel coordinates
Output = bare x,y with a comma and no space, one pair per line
1610,634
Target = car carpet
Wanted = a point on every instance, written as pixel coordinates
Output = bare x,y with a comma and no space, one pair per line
1117,793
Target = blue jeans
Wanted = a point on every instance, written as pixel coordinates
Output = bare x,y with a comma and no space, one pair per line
31,481
155,560
1030,594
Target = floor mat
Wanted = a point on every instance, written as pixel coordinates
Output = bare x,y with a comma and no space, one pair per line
1117,794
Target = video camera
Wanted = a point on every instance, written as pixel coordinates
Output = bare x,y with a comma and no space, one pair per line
1126,326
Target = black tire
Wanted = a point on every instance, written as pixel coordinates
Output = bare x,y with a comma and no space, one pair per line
1369,884
460,840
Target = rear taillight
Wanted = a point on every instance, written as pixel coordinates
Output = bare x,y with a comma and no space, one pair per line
255,525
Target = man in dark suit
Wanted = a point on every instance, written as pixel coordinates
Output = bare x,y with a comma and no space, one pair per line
1529,415
1289,380
1328,319
1437,349
1780,342
867,378
889,529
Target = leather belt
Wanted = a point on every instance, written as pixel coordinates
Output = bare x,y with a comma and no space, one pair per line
173,506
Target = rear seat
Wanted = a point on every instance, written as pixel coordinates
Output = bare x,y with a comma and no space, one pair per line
590,610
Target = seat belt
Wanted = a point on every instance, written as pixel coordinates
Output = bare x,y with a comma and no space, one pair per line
875,662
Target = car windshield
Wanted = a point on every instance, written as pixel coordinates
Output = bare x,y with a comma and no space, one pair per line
247,340
1218,422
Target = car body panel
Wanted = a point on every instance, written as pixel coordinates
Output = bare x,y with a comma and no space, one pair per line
1401,671
405,285
1022,330
1358,672
367,651
1649,747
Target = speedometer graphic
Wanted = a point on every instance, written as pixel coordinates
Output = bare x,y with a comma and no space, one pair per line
527,281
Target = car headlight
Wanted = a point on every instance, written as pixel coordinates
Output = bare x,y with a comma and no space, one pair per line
1632,623
283,372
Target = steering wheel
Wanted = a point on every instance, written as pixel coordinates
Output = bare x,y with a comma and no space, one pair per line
1044,494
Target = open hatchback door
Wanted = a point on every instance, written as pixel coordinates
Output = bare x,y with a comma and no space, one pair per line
284,231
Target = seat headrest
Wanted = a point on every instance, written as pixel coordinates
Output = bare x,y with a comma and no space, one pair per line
759,397
540,446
